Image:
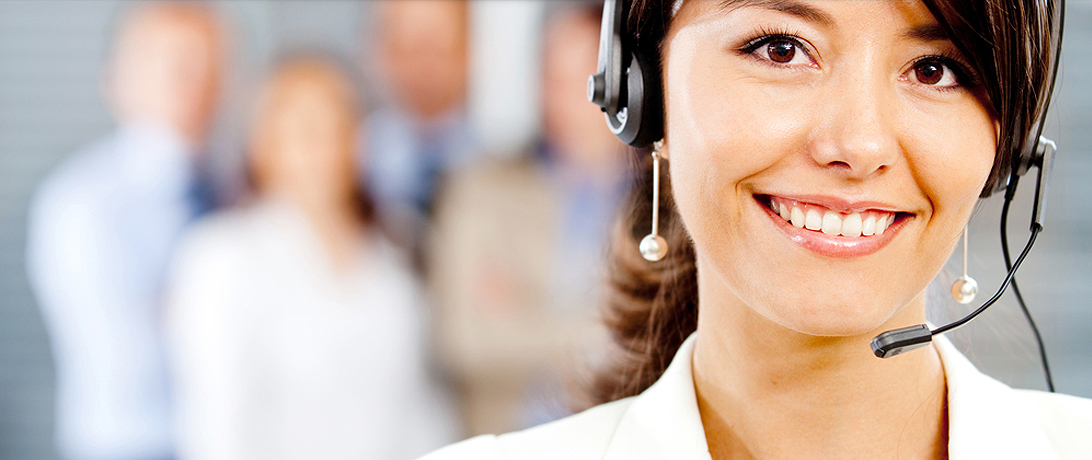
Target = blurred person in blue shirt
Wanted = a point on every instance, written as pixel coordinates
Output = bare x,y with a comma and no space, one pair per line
518,247
102,226
420,130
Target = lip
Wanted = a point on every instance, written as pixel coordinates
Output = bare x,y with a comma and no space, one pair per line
841,247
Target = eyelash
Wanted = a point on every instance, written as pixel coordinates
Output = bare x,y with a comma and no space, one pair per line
765,36
966,77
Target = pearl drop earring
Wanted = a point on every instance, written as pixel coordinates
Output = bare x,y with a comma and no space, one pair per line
965,288
653,246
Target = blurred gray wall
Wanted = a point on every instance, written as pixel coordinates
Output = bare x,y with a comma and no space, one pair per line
49,59
50,56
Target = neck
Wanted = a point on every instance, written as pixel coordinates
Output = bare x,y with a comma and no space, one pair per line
765,391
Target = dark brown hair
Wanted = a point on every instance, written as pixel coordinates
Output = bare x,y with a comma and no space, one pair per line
652,307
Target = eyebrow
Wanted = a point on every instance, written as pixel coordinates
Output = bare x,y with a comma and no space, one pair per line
928,33
790,7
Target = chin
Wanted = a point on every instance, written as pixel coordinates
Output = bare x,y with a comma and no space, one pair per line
833,319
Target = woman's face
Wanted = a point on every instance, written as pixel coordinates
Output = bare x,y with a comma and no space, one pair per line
306,138
825,155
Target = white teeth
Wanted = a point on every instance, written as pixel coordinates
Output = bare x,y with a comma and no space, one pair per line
851,225
868,227
832,223
813,221
797,217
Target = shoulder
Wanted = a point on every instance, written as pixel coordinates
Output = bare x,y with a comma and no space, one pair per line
498,188
69,211
209,273
390,270
582,436
516,169
988,419
1066,421
214,247
94,163
220,230
77,179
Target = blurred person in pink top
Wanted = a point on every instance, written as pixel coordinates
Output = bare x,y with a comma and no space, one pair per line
102,226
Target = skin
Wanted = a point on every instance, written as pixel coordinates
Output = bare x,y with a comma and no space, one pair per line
782,366
422,52
166,68
302,150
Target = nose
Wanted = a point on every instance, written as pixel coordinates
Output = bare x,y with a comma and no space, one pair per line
857,137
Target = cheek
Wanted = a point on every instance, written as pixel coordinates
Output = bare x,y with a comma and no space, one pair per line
711,106
722,128
950,156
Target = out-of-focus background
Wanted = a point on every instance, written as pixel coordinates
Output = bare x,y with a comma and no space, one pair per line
490,188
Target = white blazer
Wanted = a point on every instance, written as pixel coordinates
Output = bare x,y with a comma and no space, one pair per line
986,420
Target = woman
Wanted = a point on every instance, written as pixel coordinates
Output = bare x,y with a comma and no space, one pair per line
298,329
824,159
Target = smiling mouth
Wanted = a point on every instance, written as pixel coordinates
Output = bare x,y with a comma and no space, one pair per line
820,219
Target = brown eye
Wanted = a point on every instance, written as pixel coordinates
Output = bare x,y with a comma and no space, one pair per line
929,73
781,51
934,72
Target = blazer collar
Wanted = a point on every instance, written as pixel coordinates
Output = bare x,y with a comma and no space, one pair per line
986,418
663,421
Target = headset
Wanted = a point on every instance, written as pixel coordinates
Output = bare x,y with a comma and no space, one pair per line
627,88
627,85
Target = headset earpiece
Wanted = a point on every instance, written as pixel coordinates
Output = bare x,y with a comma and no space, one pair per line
627,86
640,121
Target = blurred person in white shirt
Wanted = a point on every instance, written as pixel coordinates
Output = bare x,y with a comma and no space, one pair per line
104,222
297,328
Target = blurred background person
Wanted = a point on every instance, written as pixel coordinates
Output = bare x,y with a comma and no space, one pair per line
421,129
297,327
102,226
519,243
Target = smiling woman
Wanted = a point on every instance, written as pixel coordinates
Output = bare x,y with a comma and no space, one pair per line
825,157
844,128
